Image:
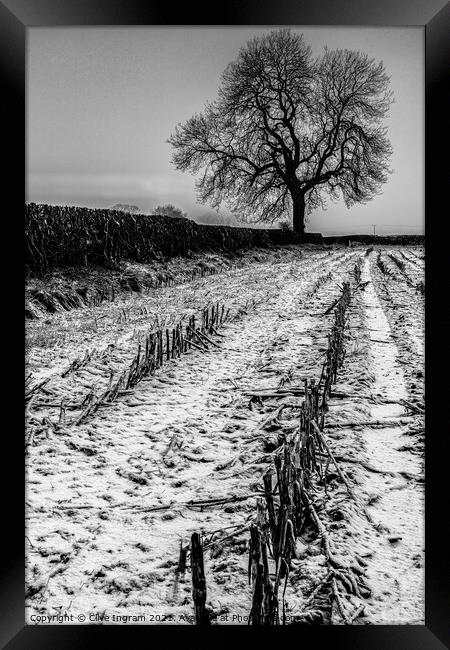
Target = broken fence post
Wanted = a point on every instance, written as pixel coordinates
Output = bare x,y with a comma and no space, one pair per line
198,581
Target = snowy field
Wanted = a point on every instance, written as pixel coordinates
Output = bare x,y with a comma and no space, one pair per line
110,500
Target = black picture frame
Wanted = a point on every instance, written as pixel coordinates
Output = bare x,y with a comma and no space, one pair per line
16,16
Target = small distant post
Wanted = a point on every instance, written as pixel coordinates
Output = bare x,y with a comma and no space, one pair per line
374,226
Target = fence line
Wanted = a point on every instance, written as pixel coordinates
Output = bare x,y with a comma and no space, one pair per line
158,348
288,501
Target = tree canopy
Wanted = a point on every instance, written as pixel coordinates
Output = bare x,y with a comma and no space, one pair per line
169,210
287,130
125,207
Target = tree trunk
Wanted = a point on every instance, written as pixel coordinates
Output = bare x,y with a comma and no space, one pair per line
298,213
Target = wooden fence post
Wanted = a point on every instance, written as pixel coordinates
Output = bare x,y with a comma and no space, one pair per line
198,581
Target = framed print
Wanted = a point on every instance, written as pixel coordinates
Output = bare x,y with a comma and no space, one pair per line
228,414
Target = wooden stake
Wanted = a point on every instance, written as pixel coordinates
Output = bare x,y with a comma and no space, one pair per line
198,581
339,471
270,508
182,559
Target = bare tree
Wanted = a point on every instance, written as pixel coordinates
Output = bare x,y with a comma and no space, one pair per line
125,207
169,210
287,130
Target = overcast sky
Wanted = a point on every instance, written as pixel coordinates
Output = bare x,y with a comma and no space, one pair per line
101,103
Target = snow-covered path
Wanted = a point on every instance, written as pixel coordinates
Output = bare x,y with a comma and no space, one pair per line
397,570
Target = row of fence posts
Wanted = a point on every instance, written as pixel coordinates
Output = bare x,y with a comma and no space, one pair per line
272,537
286,505
158,348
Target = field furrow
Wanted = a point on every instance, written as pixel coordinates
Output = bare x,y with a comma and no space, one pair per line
110,500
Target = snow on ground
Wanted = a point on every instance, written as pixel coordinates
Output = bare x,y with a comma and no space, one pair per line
399,570
109,501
